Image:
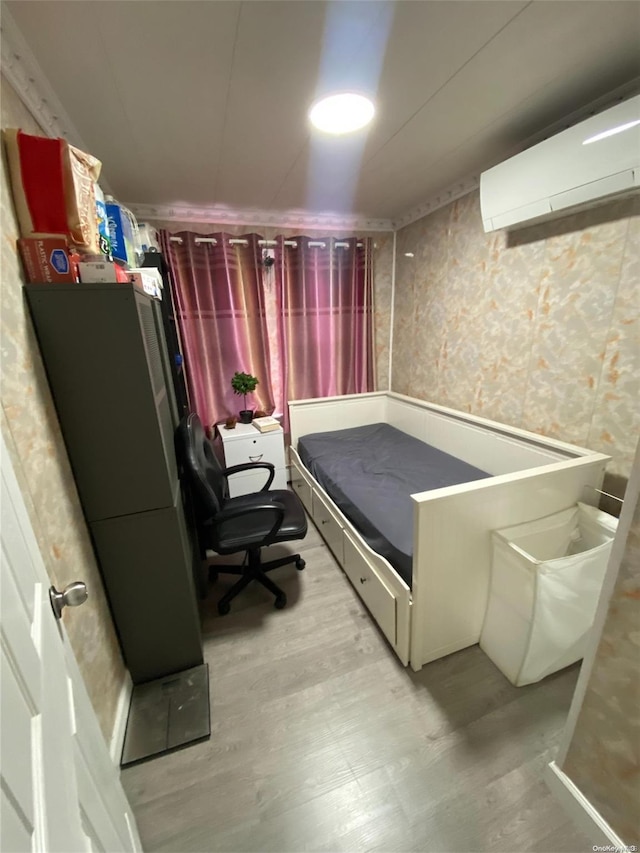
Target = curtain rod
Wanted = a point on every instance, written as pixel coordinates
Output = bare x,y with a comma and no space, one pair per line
238,241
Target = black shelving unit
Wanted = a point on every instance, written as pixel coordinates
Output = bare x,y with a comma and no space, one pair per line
103,349
169,322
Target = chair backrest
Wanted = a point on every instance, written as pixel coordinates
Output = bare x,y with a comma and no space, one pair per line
205,473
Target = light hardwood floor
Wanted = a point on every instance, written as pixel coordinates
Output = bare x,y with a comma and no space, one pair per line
322,741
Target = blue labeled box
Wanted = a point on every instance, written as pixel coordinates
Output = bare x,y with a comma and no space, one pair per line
120,234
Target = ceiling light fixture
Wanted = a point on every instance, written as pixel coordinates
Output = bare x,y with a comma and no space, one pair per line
612,131
341,113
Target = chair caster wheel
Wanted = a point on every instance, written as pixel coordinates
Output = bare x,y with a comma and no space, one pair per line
223,608
213,575
280,602
300,564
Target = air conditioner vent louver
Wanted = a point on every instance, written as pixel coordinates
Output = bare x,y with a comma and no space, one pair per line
563,174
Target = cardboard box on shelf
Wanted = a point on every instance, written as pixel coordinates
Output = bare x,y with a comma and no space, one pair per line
48,260
94,272
148,279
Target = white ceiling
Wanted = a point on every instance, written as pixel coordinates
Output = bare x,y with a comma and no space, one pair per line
204,103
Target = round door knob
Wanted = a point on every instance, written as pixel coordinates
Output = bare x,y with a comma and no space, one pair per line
73,595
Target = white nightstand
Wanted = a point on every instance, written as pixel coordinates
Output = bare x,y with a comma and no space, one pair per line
245,443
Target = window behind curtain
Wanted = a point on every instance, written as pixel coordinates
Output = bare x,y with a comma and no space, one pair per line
325,317
223,322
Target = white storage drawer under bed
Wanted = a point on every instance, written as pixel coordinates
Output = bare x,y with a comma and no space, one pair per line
387,601
329,526
302,488
377,596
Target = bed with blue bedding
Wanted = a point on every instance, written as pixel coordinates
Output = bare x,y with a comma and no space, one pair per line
370,472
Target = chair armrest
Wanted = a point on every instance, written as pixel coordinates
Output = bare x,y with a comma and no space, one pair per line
247,511
248,466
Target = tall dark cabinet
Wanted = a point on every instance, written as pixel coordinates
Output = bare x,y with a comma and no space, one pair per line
106,359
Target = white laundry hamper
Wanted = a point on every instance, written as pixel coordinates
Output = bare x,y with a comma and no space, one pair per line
546,577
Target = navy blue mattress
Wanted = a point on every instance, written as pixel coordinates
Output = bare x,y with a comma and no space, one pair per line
370,472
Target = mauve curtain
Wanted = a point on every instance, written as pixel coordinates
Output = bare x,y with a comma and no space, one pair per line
325,315
221,312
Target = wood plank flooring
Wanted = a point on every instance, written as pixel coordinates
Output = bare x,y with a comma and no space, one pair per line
322,741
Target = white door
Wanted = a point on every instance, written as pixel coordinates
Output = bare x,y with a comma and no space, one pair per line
60,791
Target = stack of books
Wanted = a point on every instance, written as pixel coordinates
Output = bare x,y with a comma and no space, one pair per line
266,424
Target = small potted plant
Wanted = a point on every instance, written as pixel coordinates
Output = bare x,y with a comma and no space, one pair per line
243,384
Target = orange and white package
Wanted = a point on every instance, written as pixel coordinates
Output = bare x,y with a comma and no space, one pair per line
53,188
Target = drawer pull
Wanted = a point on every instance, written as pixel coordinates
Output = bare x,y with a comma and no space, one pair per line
256,458
363,580
324,521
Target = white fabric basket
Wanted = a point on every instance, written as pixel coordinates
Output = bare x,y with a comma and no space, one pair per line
546,577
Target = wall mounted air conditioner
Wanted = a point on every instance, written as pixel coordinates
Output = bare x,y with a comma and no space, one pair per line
592,161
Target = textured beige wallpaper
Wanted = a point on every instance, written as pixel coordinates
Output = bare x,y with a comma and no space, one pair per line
540,329
382,284
383,262
604,755
33,437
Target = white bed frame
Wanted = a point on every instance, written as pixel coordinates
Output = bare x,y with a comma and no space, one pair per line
532,476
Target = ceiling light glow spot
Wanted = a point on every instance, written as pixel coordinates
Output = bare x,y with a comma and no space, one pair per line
408,254
612,131
341,113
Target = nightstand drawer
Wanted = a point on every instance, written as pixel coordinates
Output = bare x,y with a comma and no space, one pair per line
255,448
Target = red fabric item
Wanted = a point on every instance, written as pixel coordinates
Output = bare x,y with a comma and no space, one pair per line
43,182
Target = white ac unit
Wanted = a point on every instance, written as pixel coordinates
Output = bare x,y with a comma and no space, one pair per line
592,161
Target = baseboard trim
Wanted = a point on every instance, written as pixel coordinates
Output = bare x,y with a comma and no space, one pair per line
120,722
587,818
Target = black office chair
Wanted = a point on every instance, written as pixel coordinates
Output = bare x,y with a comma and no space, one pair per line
246,523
